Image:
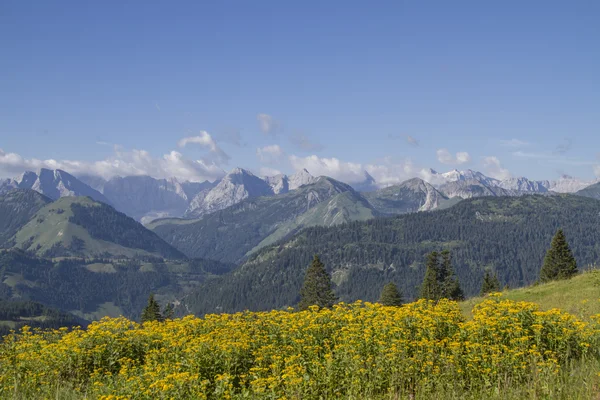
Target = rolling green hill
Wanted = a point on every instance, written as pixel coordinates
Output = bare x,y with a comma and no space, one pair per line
507,235
81,227
17,207
233,233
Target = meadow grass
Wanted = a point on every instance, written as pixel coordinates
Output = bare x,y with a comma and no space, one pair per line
498,347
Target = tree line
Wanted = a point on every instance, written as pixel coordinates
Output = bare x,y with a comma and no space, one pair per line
440,279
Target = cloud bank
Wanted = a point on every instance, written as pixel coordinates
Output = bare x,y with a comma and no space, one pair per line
445,157
133,162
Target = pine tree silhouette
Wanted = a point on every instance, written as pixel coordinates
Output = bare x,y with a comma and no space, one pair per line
317,289
152,311
490,284
431,289
390,295
559,262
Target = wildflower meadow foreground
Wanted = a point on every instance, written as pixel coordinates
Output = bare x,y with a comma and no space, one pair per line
420,350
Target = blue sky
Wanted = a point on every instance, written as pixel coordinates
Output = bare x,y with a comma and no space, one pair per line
508,88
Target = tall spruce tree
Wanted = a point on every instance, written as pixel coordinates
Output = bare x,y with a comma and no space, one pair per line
317,289
450,286
431,289
152,311
168,312
390,295
490,284
559,262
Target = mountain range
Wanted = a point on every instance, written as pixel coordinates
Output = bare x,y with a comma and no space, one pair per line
507,236
145,198
233,232
83,256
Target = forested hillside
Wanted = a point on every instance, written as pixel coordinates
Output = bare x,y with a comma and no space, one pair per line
16,314
93,288
507,235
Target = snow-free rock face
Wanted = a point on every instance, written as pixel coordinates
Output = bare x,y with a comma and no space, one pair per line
236,186
466,189
469,175
278,183
55,184
300,178
524,185
568,184
240,184
410,196
141,196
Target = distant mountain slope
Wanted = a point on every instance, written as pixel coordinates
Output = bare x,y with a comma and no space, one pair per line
138,196
410,196
239,185
229,234
469,188
592,191
17,207
508,235
568,184
55,184
343,207
236,186
79,226
524,185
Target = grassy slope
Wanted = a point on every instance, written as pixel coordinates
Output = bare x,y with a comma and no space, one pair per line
52,226
579,296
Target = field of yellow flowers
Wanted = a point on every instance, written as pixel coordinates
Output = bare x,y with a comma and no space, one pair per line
421,350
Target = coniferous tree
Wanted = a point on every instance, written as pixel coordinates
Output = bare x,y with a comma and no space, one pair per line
390,295
431,289
490,284
152,311
559,262
168,311
317,289
448,281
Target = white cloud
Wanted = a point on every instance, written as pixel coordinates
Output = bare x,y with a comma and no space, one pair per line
303,142
445,157
217,155
270,154
121,163
386,173
345,171
267,124
514,143
494,169
597,170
